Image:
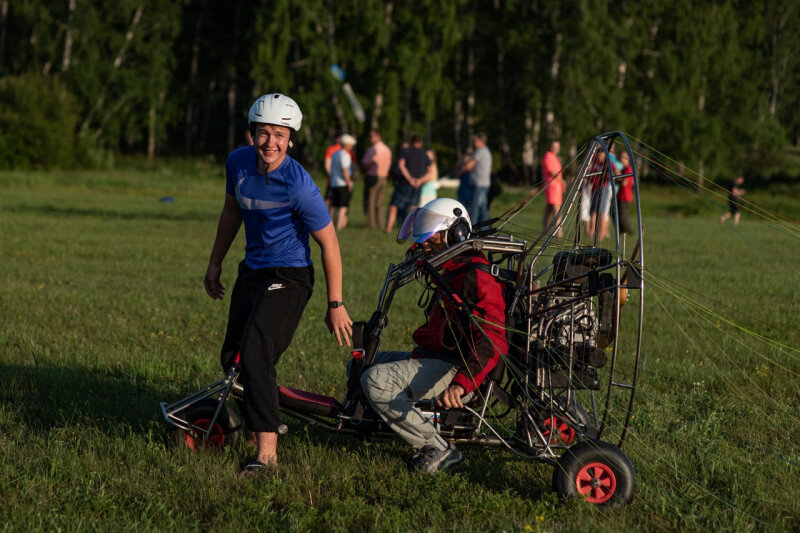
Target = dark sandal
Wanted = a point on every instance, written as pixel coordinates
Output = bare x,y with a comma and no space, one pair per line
252,469
255,468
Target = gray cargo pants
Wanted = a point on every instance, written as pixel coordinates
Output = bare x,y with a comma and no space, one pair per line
395,381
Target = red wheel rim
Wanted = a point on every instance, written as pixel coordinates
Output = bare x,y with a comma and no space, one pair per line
195,439
597,482
564,433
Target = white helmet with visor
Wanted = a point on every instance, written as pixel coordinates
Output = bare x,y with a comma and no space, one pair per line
442,214
277,109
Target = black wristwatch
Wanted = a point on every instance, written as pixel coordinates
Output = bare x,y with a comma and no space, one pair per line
334,305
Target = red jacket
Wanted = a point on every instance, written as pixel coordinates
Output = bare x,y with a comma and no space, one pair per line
457,338
625,193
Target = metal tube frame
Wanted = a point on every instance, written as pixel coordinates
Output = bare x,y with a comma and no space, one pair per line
527,287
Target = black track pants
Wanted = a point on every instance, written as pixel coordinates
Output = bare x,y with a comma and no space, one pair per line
266,306
622,216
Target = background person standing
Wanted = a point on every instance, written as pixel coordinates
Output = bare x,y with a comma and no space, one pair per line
427,193
342,181
329,151
377,161
733,201
625,196
280,206
554,184
332,148
413,165
480,174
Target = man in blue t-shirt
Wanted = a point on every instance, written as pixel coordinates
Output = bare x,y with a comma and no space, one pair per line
280,206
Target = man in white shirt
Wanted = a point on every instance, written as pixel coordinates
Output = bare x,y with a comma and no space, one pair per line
480,172
342,181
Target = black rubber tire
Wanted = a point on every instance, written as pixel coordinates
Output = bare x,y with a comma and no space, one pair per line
597,471
227,429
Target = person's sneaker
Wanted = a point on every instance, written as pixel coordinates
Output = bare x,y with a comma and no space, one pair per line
431,460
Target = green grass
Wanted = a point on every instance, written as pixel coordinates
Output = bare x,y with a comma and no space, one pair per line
103,315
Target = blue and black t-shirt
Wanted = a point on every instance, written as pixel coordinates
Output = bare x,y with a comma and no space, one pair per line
278,216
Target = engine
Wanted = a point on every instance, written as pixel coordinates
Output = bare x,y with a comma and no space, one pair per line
573,319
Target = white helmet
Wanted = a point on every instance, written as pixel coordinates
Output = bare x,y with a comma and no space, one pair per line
276,109
442,214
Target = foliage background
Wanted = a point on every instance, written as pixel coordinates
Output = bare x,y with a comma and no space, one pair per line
714,84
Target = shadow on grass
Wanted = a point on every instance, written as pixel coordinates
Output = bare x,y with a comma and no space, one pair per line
48,397
49,210
495,469
498,469
44,397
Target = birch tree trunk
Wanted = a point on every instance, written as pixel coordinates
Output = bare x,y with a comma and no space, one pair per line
3,18
555,66
205,115
137,16
470,94
194,67
701,105
528,152
339,110
407,110
233,91
152,127
458,114
778,62
505,147
377,108
67,57
110,112
233,86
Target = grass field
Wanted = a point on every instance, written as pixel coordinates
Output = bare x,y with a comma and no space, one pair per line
103,315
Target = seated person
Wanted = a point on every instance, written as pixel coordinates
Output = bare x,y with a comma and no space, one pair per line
453,354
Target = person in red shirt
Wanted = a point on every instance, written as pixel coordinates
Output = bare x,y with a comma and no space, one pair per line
625,195
554,185
454,352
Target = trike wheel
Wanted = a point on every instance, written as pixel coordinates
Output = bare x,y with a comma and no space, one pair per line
597,471
563,432
226,431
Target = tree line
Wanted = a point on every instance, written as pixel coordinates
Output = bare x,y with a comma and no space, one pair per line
713,84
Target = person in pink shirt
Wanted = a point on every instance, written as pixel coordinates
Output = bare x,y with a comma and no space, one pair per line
376,162
554,185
